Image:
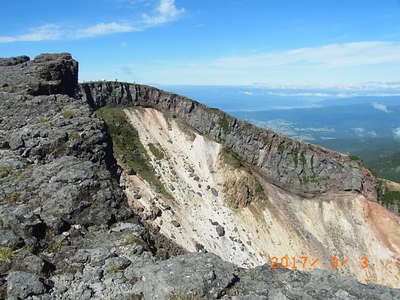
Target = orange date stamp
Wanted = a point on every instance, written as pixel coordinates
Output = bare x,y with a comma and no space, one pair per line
303,262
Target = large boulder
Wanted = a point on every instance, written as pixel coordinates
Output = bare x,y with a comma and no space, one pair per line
45,75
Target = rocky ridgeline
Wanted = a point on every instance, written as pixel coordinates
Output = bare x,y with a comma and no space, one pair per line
295,166
66,231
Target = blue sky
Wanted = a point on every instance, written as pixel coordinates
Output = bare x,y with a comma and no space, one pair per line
255,42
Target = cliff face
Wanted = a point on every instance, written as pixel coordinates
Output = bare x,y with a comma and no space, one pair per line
295,166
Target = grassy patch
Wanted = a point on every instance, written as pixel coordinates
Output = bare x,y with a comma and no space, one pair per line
6,254
303,158
127,146
4,172
310,179
12,197
115,269
44,119
259,190
355,158
231,158
281,147
387,196
21,176
187,130
73,135
68,113
224,124
157,151
265,139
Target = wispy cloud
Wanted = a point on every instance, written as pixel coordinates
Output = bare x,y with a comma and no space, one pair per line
381,107
43,33
333,55
103,29
304,94
361,132
331,65
165,12
396,132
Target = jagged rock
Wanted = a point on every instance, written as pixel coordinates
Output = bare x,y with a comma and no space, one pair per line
23,284
220,230
9,239
12,61
131,172
175,223
214,192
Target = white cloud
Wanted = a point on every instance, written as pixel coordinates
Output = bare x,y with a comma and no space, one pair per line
247,93
381,107
359,131
43,33
333,55
305,94
103,29
344,65
165,12
396,132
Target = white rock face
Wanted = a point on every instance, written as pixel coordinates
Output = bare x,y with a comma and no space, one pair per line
343,224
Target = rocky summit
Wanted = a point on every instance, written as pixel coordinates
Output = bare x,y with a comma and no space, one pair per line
113,190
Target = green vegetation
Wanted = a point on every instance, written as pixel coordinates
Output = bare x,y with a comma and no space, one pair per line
310,179
386,166
265,139
127,146
303,158
157,151
295,155
115,269
6,254
4,171
224,124
68,113
73,135
231,158
259,190
281,147
355,158
391,197
187,130
44,119
12,197
381,155
387,196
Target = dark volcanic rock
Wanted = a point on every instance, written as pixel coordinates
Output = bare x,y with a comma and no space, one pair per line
46,74
12,61
22,284
220,230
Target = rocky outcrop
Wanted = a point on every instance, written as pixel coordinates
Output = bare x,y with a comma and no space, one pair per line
59,182
66,230
45,75
295,166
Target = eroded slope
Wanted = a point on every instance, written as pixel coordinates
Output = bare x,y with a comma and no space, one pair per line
222,206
